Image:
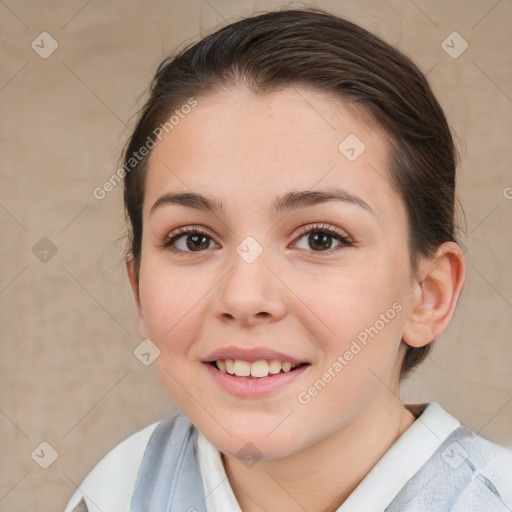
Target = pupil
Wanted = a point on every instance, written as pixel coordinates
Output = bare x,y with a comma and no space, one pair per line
316,241
320,240
200,240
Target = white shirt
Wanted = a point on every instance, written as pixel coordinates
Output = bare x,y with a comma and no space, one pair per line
380,485
109,486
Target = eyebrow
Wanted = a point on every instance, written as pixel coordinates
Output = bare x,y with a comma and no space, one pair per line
293,200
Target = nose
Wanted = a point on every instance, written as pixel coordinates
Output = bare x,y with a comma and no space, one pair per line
250,293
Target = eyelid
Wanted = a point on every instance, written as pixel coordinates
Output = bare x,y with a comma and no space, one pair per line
321,226
166,242
343,237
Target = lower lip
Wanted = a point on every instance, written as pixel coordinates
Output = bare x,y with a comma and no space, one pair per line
254,387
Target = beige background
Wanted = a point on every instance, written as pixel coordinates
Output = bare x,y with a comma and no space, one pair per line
69,376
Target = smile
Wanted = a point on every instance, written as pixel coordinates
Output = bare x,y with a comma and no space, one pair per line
257,379
257,369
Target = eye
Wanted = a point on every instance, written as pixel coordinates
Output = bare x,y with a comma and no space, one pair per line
320,238
187,240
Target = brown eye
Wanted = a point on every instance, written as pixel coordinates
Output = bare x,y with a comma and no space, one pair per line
187,240
194,242
320,238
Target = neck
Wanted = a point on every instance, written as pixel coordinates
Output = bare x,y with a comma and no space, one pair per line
339,463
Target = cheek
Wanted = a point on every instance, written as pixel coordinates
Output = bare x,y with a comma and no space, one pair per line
172,304
360,350
348,301
171,301
358,330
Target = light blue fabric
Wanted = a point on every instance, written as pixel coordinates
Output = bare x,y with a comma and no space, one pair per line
457,478
169,477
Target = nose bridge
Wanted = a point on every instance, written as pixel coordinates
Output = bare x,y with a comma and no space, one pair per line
250,290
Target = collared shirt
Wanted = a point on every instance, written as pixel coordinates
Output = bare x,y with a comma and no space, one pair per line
417,473
377,489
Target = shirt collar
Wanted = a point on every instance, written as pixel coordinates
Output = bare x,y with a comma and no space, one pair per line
380,486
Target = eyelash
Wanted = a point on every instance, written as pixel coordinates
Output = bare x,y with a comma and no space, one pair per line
344,240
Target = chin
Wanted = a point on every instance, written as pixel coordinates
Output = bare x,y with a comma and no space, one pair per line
252,444
256,449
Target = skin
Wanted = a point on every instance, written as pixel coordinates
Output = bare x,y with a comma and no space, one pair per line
246,150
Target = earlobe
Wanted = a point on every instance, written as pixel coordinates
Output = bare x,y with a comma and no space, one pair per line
433,301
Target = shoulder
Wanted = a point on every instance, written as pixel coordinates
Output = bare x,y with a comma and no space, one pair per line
489,462
467,447
451,467
481,470
110,484
467,472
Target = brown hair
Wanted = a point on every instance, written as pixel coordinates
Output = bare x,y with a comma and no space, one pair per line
315,48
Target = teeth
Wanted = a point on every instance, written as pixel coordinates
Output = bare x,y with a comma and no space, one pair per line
230,366
274,366
287,366
260,368
242,368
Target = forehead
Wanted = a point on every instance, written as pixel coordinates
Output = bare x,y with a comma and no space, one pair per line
238,145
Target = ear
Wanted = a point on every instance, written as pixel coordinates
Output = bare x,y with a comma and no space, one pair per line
433,300
133,277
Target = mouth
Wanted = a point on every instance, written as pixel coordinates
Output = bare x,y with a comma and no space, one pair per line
256,369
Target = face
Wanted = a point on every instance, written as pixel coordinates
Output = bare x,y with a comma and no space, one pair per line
301,257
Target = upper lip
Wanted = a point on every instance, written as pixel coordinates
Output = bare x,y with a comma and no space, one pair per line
250,354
